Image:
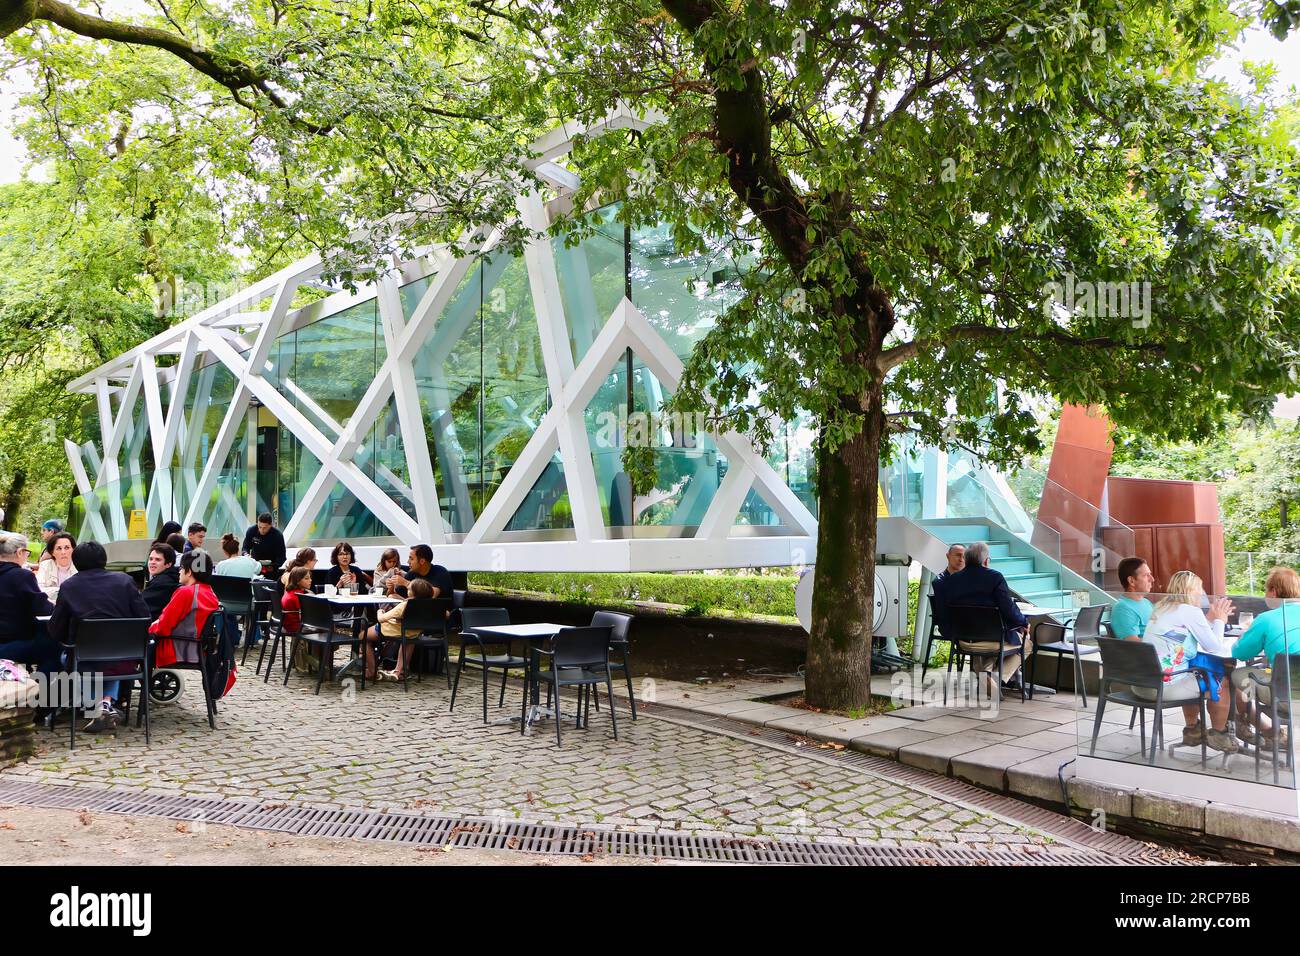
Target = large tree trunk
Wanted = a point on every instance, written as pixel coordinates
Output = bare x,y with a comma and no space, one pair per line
12,499
839,647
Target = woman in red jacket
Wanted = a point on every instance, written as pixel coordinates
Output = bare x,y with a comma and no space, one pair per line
195,596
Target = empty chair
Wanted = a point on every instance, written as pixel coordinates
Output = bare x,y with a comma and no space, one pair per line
479,650
266,603
1129,664
618,644
579,657
1080,641
120,641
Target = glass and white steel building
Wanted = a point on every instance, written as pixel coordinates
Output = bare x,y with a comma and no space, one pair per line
479,404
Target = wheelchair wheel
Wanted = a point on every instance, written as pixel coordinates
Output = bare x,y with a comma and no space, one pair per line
167,687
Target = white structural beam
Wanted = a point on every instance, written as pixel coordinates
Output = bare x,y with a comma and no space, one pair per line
570,425
85,489
409,416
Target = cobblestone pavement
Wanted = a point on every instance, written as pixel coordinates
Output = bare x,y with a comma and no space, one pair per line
384,749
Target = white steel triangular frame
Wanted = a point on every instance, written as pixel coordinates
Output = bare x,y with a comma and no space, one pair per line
219,333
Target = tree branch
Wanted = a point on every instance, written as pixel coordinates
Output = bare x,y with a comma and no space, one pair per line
893,357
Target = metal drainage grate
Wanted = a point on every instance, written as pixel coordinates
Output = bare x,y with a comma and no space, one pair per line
946,788
558,840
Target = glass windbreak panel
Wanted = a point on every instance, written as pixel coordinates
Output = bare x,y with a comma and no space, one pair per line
1204,668
449,376
682,295
546,507
687,468
592,279
336,360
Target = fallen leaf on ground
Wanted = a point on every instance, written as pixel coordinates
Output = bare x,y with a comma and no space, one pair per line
7,826
85,818
806,784
182,827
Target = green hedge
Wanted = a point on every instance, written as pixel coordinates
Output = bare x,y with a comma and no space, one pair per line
738,594
768,596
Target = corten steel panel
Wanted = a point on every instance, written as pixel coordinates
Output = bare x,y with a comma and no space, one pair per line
1144,547
1135,501
1081,454
1191,547
1119,541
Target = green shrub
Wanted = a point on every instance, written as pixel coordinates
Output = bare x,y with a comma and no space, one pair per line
699,593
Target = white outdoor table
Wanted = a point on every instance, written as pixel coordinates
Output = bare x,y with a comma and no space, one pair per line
531,633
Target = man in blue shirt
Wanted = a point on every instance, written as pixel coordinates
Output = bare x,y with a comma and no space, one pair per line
1129,616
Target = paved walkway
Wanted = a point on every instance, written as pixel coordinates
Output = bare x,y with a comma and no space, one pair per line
385,749
1018,748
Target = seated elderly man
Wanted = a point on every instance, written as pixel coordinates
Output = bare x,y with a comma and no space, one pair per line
96,592
979,585
22,637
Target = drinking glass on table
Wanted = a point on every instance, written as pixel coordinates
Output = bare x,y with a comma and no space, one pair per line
1245,619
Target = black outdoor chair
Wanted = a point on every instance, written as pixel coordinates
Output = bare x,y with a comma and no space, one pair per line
424,626
101,641
475,617
1284,678
236,596
277,639
975,624
1134,664
935,635
1078,641
318,629
618,642
579,657
205,647
266,606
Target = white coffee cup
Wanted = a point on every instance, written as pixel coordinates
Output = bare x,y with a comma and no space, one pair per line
330,590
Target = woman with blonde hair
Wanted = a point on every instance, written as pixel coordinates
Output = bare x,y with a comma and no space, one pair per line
1190,642
1275,631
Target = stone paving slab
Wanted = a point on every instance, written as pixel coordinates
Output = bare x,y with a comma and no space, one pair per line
988,766
936,754
887,743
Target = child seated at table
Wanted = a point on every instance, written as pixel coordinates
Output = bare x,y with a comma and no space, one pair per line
297,581
390,627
